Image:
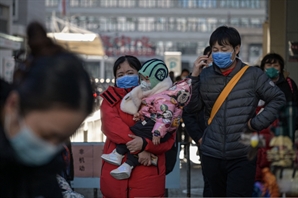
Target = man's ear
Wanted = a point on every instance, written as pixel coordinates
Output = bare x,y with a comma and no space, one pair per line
237,49
12,103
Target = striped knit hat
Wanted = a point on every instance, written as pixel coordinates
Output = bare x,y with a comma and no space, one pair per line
155,70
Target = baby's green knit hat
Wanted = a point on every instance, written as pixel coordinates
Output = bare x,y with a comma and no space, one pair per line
155,70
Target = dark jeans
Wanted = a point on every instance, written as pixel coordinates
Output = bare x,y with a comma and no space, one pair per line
230,178
141,129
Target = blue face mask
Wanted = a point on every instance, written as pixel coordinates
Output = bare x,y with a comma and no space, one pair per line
30,149
127,81
222,59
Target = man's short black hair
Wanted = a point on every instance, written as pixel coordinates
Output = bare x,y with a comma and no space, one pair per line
224,35
273,58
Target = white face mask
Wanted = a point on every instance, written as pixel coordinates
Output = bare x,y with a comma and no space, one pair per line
145,86
30,149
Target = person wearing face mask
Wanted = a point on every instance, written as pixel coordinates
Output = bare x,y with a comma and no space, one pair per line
273,65
224,157
157,108
184,74
144,180
49,100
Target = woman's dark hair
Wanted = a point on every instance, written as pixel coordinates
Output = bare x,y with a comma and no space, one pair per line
273,58
52,77
224,35
132,61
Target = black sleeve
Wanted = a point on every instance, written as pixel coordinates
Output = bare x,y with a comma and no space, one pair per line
273,97
193,116
194,124
195,104
295,101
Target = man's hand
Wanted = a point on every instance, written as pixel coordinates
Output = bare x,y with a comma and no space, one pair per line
199,64
135,144
145,158
156,140
249,125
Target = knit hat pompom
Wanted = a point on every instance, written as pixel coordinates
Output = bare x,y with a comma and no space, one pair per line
155,70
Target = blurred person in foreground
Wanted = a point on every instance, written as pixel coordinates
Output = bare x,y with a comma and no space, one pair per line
195,125
51,97
145,180
224,157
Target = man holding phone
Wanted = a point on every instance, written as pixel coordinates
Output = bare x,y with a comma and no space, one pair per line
226,166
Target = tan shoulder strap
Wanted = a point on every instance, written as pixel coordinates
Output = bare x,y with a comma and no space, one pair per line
225,92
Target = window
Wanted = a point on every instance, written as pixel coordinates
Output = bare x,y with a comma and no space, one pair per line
103,24
255,53
171,24
160,24
130,24
88,3
235,21
192,24
92,23
121,23
206,3
52,3
181,24
202,26
127,3
74,3
211,24
222,22
164,3
108,3
147,4
244,22
256,22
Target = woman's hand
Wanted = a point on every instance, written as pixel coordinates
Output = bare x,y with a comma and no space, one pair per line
156,140
145,158
135,144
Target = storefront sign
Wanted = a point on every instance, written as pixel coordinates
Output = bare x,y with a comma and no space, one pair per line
122,45
86,158
173,61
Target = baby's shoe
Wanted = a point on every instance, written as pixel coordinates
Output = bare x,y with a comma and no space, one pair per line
113,158
122,172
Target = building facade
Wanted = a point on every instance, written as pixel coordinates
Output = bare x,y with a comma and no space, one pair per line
148,28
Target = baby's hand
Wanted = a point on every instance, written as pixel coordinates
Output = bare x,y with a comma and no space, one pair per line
156,140
136,117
